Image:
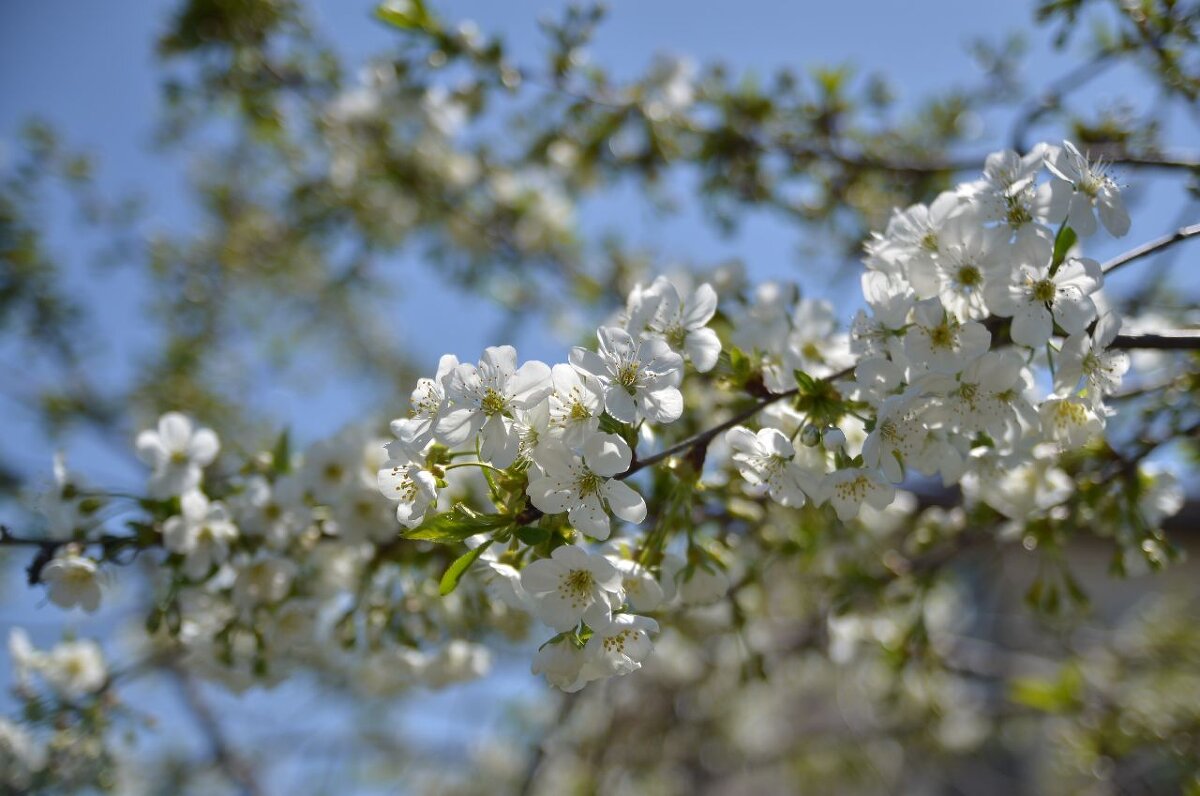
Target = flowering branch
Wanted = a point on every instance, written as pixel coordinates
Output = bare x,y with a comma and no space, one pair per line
966,301
701,439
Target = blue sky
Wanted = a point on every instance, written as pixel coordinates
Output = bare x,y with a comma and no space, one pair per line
89,69
94,78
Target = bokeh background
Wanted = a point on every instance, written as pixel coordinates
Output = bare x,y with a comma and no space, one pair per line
94,73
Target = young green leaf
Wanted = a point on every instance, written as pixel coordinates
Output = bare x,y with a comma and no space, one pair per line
461,564
456,525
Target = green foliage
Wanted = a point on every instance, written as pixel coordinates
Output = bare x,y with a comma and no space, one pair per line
461,564
452,527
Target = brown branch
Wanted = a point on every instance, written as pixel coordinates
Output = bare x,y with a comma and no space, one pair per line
1175,340
538,755
110,545
704,437
1150,247
237,770
863,160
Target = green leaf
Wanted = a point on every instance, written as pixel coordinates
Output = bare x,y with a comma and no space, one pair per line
461,564
1052,696
281,455
807,383
532,534
456,525
405,15
1062,244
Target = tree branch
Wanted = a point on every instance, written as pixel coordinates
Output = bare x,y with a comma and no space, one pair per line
704,437
862,160
110,544
1175,340
1150,247
223,755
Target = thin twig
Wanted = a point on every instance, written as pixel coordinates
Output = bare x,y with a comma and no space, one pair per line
706,436
1158,244
529,780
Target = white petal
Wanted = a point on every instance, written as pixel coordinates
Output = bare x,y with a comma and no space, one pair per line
175,430
203,447
1073,311
662,406
547,496
624,501
541,576
607,455
703,348
701,308
588,362
150,448
589,518
1080,216
1113,213
459,425
619,404
531,384
1032,326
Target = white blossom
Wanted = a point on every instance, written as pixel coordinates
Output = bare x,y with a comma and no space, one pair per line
413,488
1036,299
642,590
640,378
562,664
575,404
942,343
659,311
74,668
1082,190
848,489
202,533
428,401
619,646
572,585
584,487
768,459
484,399
72,580
177,454
1071,422
1086,358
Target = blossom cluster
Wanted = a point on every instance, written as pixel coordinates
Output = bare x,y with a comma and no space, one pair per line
965,297
550,422
983,352
267,567
60,689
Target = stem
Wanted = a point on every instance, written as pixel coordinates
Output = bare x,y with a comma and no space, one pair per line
470,464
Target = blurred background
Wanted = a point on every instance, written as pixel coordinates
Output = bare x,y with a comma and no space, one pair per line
276,215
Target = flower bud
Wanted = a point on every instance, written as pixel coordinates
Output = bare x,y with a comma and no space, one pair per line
810,436
834,438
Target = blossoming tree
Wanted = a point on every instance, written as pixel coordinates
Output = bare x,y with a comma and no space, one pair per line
731,506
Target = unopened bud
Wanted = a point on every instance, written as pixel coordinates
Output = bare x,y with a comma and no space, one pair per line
810,436
835,439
